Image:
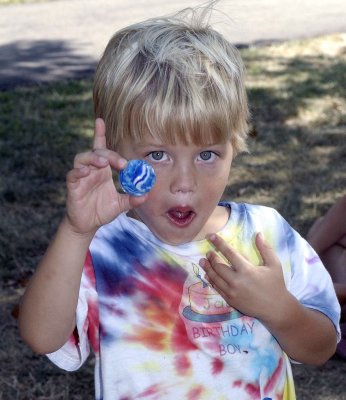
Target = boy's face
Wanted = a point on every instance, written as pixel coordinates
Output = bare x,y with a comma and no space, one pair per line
183,205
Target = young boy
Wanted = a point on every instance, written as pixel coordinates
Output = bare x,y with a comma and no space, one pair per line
124,274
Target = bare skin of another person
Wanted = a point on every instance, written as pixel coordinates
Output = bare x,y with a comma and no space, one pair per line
328,237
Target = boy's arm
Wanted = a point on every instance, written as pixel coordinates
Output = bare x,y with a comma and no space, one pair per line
47,310
305,335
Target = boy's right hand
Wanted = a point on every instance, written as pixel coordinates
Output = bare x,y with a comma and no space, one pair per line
92,199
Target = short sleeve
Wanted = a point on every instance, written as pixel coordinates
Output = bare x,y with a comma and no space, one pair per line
310,282
75,351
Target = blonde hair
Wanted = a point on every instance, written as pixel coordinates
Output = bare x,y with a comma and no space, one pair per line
175,78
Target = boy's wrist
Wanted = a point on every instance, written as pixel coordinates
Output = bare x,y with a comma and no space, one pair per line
280,317
69,229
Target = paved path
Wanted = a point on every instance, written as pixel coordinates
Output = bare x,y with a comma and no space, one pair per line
46,41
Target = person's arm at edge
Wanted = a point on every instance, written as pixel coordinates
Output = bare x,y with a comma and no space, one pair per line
330,228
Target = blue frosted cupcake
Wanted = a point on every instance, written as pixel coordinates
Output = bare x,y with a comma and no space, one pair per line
137,178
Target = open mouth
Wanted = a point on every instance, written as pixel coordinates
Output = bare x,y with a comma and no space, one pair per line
181,216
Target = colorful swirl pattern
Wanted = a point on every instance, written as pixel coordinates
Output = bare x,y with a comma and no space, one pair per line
137,178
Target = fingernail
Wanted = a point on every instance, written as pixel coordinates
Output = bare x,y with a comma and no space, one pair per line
211,237
122,163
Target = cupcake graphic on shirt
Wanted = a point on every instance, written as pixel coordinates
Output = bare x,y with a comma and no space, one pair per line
206,304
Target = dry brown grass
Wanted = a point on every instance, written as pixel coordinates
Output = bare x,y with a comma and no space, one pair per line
297,165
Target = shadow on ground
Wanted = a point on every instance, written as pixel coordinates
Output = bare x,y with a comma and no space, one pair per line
296,167
42,61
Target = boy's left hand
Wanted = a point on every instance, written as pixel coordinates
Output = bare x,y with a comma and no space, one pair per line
257,291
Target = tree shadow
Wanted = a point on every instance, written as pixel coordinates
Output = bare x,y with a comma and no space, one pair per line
41,130
298,169
41,61
320,79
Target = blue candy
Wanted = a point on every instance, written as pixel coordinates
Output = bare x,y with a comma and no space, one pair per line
137,178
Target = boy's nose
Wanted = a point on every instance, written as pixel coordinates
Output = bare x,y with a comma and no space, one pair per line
184,179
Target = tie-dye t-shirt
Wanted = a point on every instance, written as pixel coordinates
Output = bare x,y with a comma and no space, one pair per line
159,331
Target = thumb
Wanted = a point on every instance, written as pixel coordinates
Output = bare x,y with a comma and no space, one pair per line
267,253
127,202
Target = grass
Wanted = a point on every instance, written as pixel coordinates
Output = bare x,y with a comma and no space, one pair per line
297,165
40,131
298,100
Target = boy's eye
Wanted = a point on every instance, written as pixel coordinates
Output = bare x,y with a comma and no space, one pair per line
156,155
206,155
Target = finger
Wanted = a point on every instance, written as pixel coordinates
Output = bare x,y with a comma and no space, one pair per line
90,159
136,201
218,275
225,295
215,259
99,134
76,174
233,257
127,202
267,253
115,160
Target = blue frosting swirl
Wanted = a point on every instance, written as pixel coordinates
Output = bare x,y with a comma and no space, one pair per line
137,178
